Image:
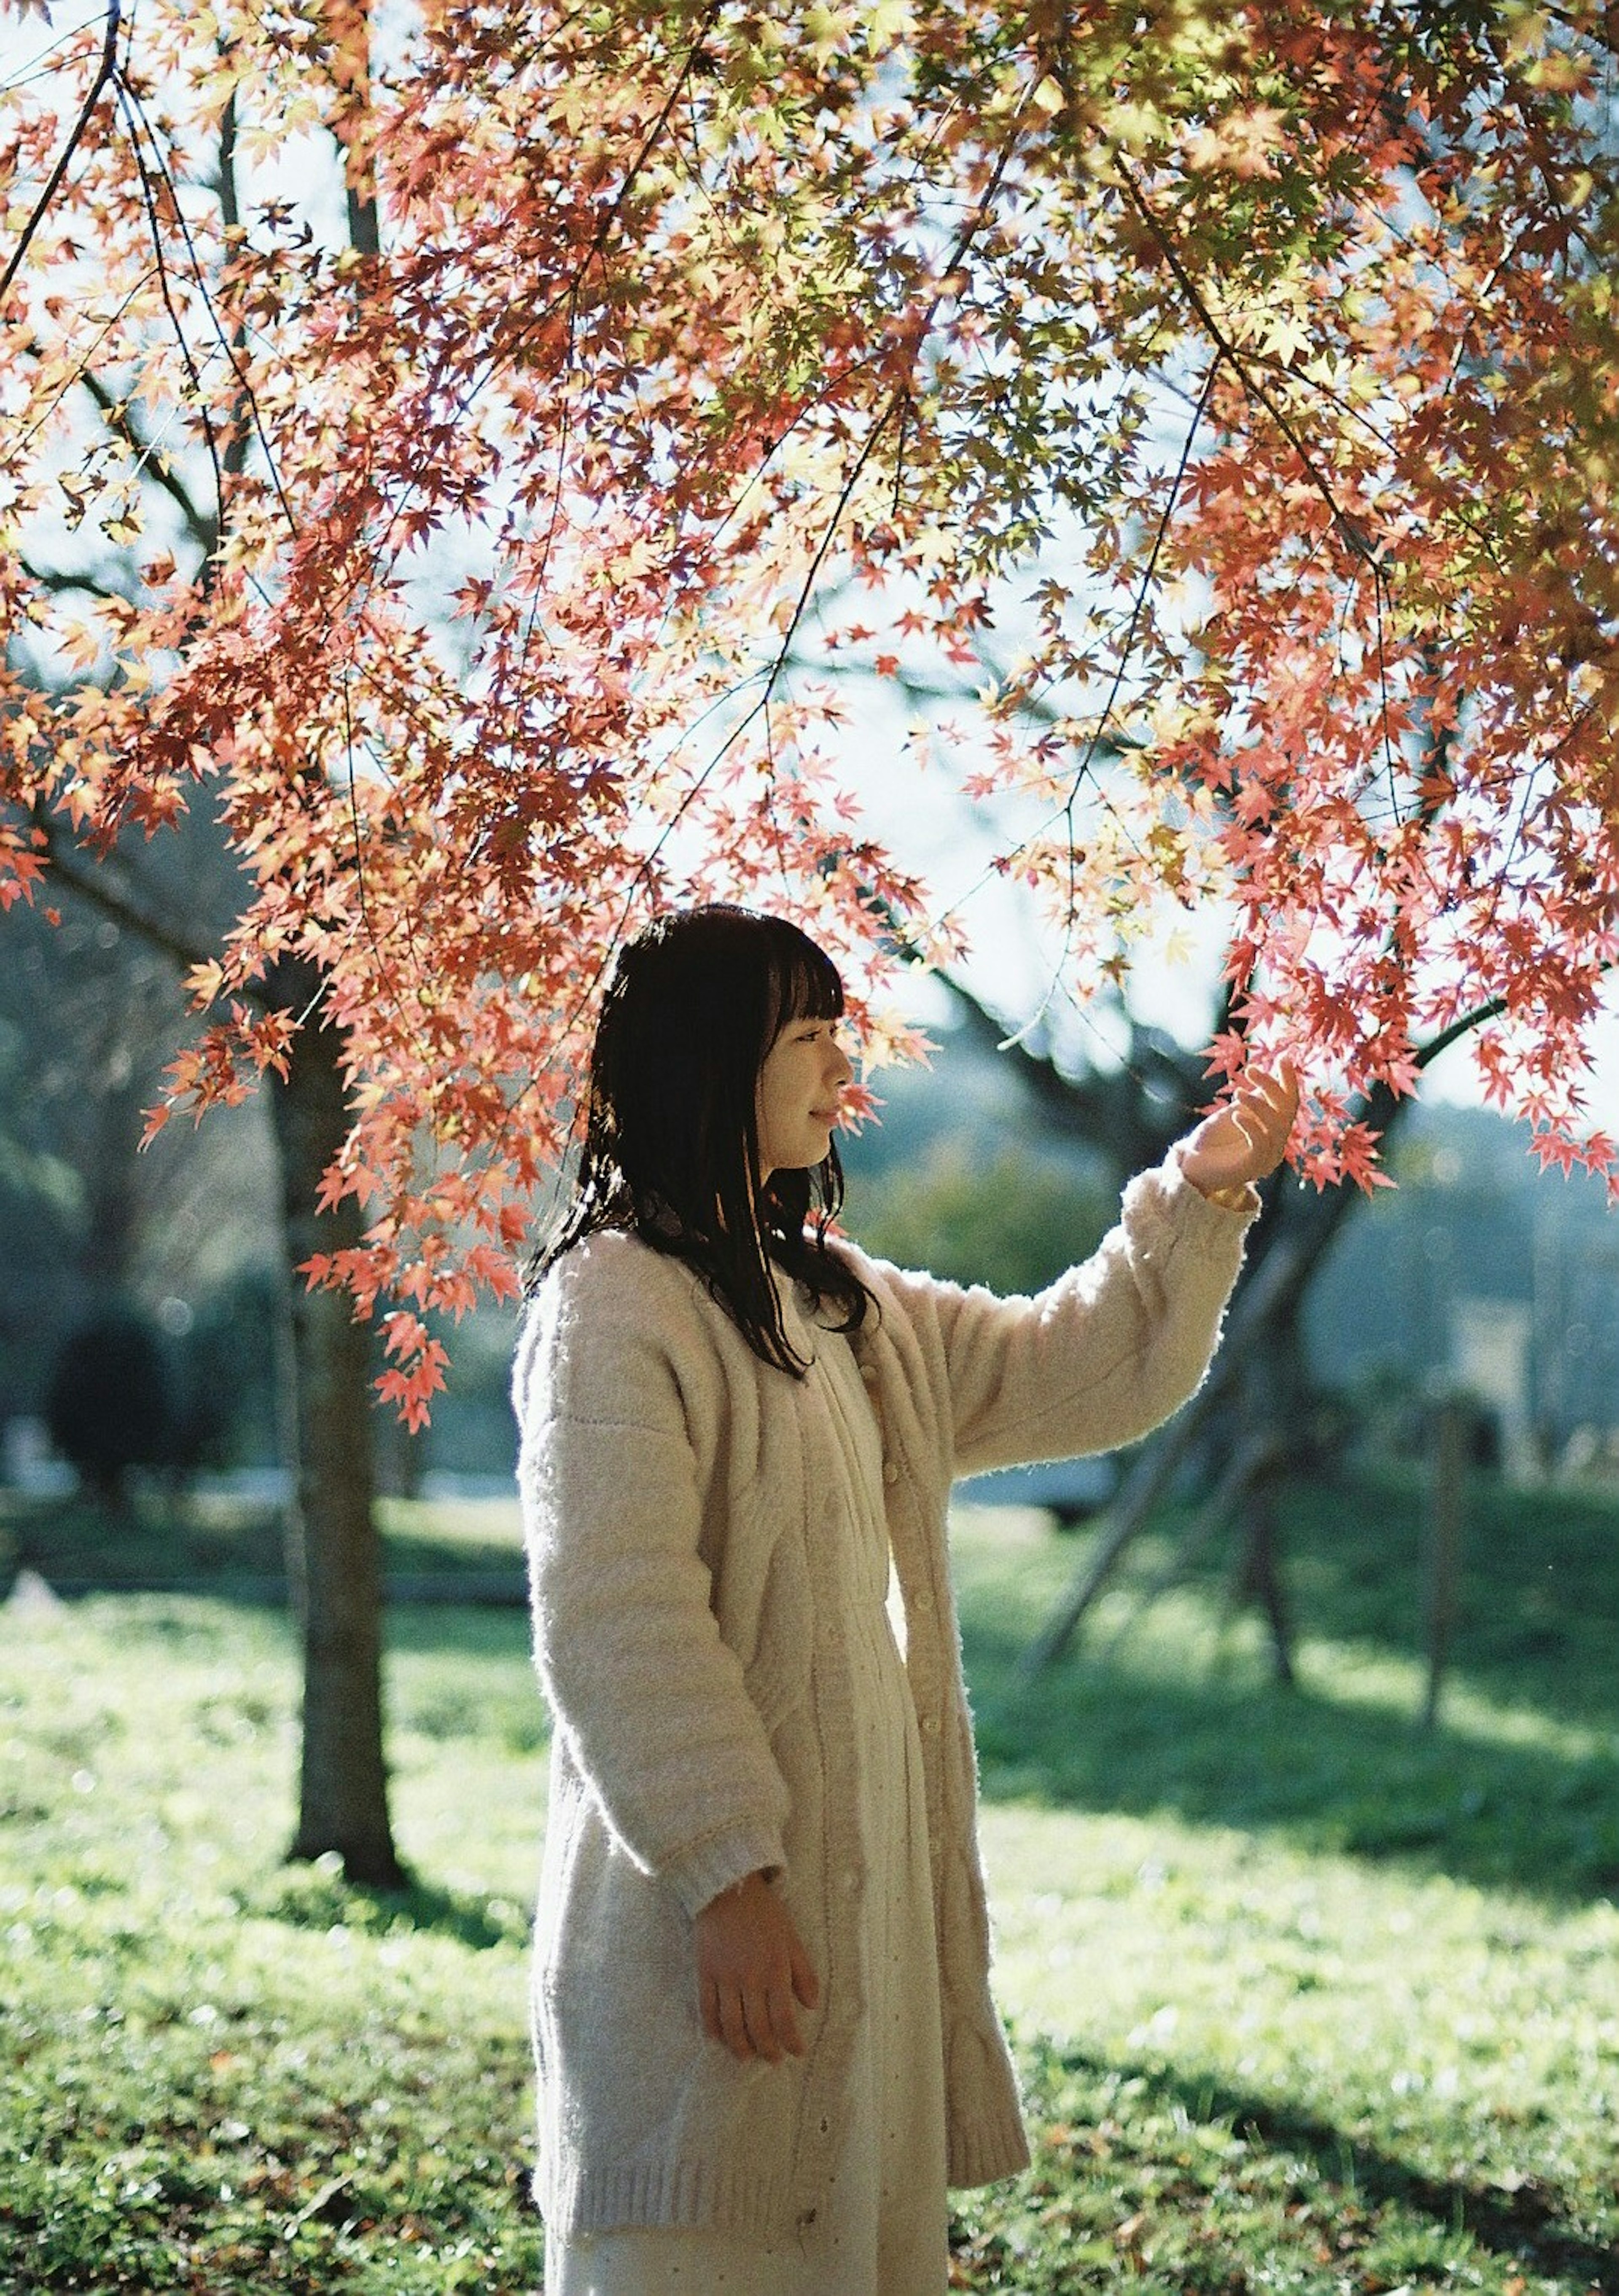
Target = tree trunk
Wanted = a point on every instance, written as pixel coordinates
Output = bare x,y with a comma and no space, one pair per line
337,1567
1441,1540
1259,1574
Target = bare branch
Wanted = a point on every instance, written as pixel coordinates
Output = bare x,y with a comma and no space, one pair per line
104,72
115,412
57,579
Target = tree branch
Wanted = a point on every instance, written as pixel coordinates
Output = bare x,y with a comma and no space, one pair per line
105,70
351,78
1490,1011
115,412
1130,1115
54,577
1271,1292
1347,528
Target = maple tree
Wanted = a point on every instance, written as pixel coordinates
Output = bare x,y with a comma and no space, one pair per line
679,312
491,563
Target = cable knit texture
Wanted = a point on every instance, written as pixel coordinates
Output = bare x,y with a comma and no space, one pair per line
671,1486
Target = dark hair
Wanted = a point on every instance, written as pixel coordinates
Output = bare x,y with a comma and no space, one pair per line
671,1149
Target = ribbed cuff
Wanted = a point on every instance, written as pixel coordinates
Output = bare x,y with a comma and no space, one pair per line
722,1860
749,2204
982,2152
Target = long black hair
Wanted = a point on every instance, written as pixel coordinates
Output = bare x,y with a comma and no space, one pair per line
671,1148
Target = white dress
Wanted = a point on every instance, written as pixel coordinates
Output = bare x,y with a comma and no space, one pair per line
882,2227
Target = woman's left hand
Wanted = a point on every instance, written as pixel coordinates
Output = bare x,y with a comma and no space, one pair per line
1245,1139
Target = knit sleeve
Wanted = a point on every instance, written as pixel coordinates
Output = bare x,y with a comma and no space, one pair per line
650,1699
1107,1352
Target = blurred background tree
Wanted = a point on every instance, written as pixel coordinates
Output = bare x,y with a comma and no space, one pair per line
183,1238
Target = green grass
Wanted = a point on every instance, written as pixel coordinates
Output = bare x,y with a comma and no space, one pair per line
1171,1710
1305,1998
233,1547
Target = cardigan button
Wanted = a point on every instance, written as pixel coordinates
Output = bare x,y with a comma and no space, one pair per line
868,1372
890,1471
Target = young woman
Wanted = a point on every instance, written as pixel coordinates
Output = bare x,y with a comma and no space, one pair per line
764,2038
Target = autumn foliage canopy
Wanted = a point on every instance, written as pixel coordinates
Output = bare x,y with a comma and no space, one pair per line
472,445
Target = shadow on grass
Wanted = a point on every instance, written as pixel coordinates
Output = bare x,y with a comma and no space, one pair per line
1528,2223
1152,1726
316,1897
1149,1730
220,1546
1355,1778
1537,1598
1537,1594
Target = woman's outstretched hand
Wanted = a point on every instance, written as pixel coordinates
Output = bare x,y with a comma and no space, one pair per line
751,1967
1245,1139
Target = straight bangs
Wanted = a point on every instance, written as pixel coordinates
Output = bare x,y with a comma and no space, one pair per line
804,985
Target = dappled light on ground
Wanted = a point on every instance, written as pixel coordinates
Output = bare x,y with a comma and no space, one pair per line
1281,2028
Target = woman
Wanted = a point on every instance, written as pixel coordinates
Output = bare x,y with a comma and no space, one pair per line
762,2020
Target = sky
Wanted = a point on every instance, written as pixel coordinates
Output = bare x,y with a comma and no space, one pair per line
28,41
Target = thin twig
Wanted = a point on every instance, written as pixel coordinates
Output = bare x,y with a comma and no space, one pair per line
1348,529
136,119
116,415
104,72
135,110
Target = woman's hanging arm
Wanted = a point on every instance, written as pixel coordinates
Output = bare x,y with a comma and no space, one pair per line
649,1698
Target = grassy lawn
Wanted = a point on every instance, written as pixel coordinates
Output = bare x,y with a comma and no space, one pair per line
237,1548
1304,1998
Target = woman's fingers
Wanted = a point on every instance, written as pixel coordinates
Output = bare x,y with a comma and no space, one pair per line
1278,1095
760,2025
1270,1099
733,2024
755,2021
784,2021
1265,1110
751,1969
1247,1138
806,1984
709,2007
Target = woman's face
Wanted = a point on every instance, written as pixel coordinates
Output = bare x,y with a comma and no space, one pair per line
801,1087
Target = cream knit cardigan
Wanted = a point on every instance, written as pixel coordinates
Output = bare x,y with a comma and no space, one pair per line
673,1485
